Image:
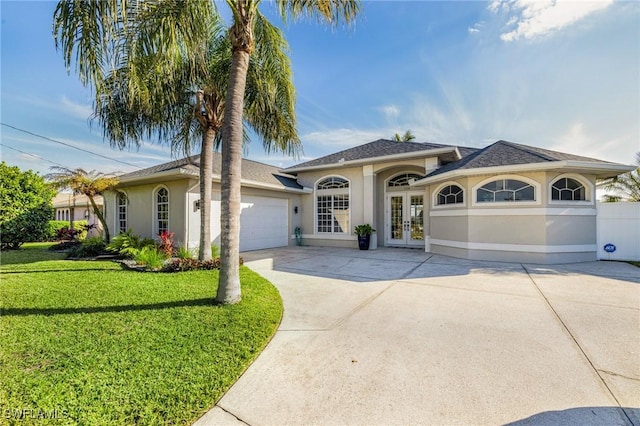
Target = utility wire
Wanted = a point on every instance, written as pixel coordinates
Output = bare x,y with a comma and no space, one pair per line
34,155
70,146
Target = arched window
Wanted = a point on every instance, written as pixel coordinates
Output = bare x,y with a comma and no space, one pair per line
332,205
450,194
121,201
162,210
568,189
506,190
402,180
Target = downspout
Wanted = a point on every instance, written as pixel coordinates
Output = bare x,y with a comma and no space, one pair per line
187,222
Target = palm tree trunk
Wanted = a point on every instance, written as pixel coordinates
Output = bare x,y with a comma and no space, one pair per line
229,280
100,217
206,171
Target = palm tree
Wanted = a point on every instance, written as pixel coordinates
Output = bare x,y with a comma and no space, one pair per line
176,90
625,187
81,182
243,44
407,137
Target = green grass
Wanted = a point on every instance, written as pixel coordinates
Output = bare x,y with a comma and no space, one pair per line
101,345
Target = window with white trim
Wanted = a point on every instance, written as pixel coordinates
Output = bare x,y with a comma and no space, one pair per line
502,190
402,180
332,205
450,194
162,210
568,189
121,201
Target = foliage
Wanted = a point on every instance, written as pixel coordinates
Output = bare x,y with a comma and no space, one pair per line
625,187
407,137
129,245
53,226
183,253
90,184
64,245
166,243
91,247
111,346
181,265
25,207
362,230
150,257
215,251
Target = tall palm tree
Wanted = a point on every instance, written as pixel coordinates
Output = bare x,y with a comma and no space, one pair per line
625,186
88,183
243,44
407,137
176,89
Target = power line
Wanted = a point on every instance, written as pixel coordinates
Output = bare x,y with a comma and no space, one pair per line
70,146
34,155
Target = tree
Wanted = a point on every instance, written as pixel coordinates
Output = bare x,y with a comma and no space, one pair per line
407,137
625,186
243,44
25,207
90,184
175,89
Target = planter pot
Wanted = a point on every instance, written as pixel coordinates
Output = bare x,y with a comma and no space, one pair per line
363,242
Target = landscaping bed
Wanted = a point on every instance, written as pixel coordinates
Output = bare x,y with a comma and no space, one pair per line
91,343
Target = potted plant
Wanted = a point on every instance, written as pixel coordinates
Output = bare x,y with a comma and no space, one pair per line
364,235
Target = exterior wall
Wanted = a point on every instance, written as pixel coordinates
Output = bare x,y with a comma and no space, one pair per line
619,224
141,208
541,231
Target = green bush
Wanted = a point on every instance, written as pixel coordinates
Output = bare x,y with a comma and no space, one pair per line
129,245
150,257
25,207
91,247
215,251
184,253
53,226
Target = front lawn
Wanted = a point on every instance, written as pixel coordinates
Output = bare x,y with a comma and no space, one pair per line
91,343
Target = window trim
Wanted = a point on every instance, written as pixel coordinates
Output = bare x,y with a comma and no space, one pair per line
154,219
126,212
334,191
537,192
434,196
589,191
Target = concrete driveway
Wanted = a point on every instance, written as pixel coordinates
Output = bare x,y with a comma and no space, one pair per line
398,336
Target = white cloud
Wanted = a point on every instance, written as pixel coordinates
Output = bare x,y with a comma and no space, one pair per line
537,18
75,109
391,112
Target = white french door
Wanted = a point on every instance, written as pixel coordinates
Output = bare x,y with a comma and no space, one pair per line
405,219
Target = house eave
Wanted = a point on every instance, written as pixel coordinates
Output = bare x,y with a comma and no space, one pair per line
381,159
600,170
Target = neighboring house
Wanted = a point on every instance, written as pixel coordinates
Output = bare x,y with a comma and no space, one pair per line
69,207
506,202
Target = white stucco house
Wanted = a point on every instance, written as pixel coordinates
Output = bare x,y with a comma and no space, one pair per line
507,201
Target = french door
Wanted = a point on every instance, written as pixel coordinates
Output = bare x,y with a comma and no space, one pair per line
405,219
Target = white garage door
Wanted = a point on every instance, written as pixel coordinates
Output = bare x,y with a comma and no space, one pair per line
264,223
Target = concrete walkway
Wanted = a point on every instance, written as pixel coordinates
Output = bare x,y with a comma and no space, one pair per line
398,336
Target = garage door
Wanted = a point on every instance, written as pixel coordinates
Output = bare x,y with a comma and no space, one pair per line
264,223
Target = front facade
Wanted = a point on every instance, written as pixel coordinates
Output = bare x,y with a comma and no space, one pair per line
70,207
505,202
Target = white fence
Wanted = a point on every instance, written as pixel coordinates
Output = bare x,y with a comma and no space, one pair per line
619,225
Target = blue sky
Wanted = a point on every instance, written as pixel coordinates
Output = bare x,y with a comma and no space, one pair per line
553,74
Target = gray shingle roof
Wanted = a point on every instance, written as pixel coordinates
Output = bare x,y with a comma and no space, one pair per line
503,153
379,148
251,170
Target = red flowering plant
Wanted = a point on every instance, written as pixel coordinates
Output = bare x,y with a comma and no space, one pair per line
166,243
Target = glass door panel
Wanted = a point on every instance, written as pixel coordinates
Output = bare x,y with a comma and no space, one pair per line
397,218
416,210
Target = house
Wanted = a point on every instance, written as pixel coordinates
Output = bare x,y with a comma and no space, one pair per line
506,202
70,207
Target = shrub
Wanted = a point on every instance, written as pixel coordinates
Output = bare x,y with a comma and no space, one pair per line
184,253
181,265
128,245
64,245
215,251
150,257
90,247
166,243
25,207
53,226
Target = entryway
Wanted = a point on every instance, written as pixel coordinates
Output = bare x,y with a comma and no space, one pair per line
404,224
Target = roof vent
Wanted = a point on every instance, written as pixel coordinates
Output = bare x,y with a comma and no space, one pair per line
341,161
